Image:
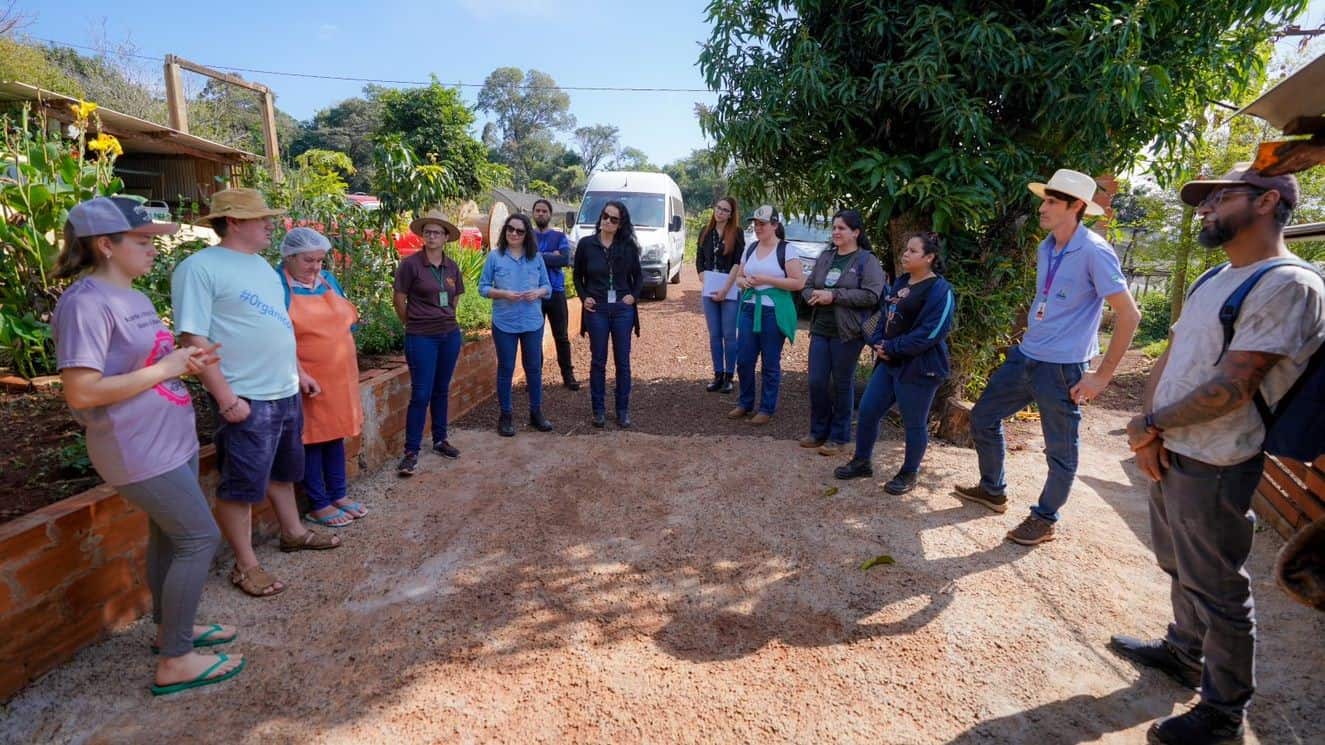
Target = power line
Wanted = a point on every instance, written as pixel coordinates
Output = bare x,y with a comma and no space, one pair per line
383,81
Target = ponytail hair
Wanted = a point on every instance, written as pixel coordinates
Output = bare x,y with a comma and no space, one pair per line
931,244
79,255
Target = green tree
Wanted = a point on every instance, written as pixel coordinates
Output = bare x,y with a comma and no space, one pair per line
233,116
347,126
596,144
109,80
433,123
25,63
701,178
529,108
632,159
938,114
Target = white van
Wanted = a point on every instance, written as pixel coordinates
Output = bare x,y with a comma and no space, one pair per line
656,210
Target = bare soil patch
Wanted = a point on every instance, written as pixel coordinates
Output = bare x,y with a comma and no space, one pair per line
703,586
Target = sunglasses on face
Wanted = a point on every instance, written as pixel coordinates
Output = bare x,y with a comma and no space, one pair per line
512,230
614,219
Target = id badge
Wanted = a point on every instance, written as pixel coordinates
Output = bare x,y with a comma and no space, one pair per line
443,298
1039,312
611,296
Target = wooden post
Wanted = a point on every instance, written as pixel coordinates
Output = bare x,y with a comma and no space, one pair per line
175,102
268,104
269,135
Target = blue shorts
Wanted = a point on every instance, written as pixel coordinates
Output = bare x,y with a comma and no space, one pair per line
268,446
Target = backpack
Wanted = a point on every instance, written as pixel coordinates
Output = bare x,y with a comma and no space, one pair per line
782,254
1296,430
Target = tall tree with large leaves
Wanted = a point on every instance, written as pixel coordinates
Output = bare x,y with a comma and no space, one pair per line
347,126
936,115
433,123
529,108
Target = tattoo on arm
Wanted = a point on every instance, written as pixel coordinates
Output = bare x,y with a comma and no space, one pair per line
1234,384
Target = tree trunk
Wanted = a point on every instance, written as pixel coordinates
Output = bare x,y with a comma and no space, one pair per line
1178,284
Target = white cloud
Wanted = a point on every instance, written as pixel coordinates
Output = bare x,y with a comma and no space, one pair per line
327,31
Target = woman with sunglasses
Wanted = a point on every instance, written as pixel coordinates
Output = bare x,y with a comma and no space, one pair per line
516,280
911,349
608,278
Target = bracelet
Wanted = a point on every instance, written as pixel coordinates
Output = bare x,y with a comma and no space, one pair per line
231,407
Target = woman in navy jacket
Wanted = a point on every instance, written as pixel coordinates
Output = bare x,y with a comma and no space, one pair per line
910,343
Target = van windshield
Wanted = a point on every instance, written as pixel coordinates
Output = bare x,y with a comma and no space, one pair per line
646,210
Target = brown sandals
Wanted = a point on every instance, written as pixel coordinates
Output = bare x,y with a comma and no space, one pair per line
257,582
310,541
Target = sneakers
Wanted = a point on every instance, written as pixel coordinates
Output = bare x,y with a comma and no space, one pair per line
506,424
444,448
1159,655
760,418
727,386
407,465
856,468
810,442
977,494
1202,724
902,483
831,448
738,413
1033,530
539,422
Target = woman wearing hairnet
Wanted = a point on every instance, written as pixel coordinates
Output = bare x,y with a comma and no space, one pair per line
329,373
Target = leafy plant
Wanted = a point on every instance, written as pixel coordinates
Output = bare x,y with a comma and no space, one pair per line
42,176
1155,320
73,457
473,311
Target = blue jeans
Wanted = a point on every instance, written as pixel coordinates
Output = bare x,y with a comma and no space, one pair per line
431,359
766,344
324,473
531,359
913,399
614,321
721,318
832,386
1018,382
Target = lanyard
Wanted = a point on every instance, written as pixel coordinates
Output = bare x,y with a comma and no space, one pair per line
1053,270
439,276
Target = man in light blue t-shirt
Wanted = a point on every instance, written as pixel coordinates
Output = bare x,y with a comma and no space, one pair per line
1076,273
229,294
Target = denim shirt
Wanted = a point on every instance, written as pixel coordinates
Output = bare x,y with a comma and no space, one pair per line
509,270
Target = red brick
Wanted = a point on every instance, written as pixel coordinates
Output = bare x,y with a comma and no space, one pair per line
18,545
28,628
12,679
63,643
94,589
51,569
7,605
121,537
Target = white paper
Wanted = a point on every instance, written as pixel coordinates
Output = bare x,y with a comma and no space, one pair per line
714,281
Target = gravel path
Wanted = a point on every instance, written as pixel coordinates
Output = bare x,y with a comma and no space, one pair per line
693,581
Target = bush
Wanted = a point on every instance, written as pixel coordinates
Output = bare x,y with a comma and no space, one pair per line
1154,319
473,311
1154,350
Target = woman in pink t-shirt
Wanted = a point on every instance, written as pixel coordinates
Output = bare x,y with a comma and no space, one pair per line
121,373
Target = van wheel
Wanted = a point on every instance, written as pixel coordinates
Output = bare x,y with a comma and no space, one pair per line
660,292
677,279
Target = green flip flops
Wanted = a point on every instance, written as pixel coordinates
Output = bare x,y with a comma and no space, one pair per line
207,638
201,680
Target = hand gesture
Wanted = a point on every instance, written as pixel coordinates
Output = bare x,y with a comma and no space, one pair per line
235,412
879,352
204,358
589,304
178,362
628,299
309,385
1091,385
1153,459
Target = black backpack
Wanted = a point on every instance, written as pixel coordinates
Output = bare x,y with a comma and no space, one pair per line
782,254
1297,429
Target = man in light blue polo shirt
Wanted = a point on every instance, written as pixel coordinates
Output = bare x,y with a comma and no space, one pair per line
1076,272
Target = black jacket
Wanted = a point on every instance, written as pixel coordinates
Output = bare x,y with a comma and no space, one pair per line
594,265
710,257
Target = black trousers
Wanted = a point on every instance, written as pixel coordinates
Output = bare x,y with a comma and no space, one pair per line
554,309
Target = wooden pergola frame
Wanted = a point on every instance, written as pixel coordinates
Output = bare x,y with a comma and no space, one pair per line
178,110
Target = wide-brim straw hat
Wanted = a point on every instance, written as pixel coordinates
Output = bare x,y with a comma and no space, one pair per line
239,203
1072,183
437,217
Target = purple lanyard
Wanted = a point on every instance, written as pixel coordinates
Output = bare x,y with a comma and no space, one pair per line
1053,270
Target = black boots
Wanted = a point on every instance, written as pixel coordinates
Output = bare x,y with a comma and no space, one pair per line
902,483
506,425
856,468
722,383
1202,724
539,422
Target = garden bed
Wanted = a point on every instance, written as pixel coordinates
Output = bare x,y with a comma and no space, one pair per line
43,459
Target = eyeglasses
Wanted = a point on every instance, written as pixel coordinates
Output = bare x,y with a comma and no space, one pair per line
1216,198
722,209
433,233
512,230
614,219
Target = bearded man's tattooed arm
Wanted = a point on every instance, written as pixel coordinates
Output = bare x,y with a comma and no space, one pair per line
1234,384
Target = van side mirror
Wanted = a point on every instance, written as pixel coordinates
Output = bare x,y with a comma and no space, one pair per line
675,227
570,218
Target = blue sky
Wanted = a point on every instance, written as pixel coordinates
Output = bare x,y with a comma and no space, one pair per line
578,42
628,43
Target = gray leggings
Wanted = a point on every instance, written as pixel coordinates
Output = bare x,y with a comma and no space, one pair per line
182,540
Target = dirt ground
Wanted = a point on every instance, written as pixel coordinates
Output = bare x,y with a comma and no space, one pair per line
695,580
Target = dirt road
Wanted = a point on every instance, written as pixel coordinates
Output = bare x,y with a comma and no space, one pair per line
692,581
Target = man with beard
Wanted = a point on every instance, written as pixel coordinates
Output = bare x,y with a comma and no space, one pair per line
554,247
1199,440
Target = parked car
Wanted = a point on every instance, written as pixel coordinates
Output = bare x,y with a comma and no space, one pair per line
808,238
658,213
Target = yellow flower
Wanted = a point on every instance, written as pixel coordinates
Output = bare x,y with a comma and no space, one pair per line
83,109
106,144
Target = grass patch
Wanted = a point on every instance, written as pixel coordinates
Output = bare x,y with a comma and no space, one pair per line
1154,349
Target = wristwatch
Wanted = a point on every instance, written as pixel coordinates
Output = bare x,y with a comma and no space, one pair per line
1150,423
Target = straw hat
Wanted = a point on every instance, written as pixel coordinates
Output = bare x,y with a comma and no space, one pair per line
435,216
1072,183
241,204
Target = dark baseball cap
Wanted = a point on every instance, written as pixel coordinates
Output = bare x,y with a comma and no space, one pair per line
109,215
1194,192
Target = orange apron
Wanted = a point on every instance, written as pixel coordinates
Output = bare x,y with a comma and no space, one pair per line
326,351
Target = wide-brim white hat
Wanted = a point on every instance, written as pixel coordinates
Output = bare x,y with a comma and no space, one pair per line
1072,183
